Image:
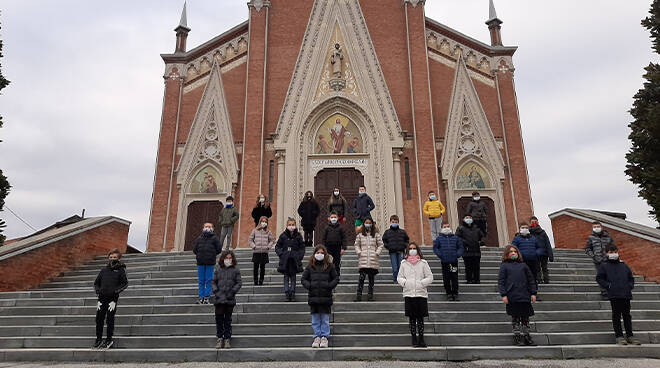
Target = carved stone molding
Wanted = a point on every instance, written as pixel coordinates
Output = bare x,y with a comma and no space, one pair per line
258,4
414,3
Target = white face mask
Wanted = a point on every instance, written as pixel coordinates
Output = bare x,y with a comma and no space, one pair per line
524,231
367,226
319,256
362,193
228,262
333,220
476,198
413,252
613,256
208,230
291,228
597,230
262,200
446,230
264,224
336,193
468,221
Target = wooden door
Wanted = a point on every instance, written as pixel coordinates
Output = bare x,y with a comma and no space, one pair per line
348,181
491,221
199,213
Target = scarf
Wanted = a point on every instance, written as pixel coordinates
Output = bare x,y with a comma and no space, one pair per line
413,259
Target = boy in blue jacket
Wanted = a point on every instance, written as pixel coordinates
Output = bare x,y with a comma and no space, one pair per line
529,249
449,248
616,277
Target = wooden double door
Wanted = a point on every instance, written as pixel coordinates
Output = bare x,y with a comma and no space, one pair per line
348,181
491,219
199,213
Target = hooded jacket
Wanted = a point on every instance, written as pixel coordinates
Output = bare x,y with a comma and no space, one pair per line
527,245
449,248
362,206
545,248
334,238
471,235
309,212
111,281
516,282
415,279
433,208
290,245
616,277
319,283
226,284
476,209
596,245
206,248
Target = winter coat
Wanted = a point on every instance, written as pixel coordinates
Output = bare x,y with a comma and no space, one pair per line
110,282
596,245
368,248
434,208
319,283
395,239
516,282
339,206
334,238
545,248
527,245
309,211
226,284
472,236
449,248
616,277
415,279
206,248
258,211
476,209
290,245
362,207
261,241
228,216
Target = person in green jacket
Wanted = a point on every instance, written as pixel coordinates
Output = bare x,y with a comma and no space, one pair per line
228,217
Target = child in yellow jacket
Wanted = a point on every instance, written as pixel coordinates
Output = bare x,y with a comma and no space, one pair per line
434,209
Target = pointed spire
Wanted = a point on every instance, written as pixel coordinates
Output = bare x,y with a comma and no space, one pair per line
494,27
184,20
492,14
182,31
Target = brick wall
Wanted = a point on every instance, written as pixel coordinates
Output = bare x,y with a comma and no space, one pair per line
642,255
29,269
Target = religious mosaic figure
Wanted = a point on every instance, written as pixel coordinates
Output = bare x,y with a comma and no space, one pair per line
475,179
323,146
337,133
208,185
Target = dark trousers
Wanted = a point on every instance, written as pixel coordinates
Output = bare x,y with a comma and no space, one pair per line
258,273
103,314
223,320
533,265
372,281
621,308
309,236
336,259
450,277
603,291
483,225
543,273
472,268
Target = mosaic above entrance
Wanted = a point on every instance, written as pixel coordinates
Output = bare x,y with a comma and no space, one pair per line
338,135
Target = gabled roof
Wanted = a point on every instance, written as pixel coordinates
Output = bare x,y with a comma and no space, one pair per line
614,222
482,47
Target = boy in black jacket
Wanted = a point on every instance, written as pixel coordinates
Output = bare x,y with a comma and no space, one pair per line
396,241
334,239
108,284
616,277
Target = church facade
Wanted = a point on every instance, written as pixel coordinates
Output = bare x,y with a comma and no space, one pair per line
317,94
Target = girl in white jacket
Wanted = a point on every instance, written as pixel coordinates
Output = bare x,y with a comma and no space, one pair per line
415,276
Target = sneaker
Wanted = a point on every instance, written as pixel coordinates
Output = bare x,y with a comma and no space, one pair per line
227,343
206,301
621,341
316,343
324,342
370,297
455,298
200,301
528,340
107,344
632,341
97,344
220,343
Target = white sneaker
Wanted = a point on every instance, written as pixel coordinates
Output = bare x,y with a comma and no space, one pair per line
324,342
317,342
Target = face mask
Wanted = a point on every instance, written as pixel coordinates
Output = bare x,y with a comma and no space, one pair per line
476,198
309,196
597,230
114,262
524,231
264,224
368,226
513,256
262,200
336,193
319,256
228,262
229,204
362,193
394,225
207,230
413,252
432,197
446,230
291,228
613,256
468,221
333,220
535,224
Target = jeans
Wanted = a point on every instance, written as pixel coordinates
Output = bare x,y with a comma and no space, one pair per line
321,325
450,277
226,232
396,259
204,279
621,308
290,284
103,313
436,225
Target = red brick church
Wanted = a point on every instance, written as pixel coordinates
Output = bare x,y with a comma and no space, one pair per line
316,94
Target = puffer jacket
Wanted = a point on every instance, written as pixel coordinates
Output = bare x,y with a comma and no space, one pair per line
111,281
206,248
228,216
415,279
334,238
226,284
259,211
527,245
434,209
319,283
449,248
395,240
362,206
290,245
616,277
476,209
261,241
309,212
471,235
516,282
545,248
596,245
368,248
339,205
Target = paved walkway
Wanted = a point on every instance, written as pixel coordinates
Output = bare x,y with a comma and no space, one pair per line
598,363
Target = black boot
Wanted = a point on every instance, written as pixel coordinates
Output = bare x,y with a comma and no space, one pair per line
358,297
527,338
413,332
420,330
517,332
370,297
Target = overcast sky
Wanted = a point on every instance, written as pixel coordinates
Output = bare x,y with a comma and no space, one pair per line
83,109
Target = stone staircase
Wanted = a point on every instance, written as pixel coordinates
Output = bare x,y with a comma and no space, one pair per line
158,319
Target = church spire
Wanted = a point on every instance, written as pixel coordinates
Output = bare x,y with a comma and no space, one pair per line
494,27
182,32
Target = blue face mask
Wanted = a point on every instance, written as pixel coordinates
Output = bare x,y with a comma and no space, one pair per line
394,225
468,221
229,205
432,197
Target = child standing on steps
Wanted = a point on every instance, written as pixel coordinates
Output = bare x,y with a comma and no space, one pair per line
517,288
368,246
616,277
108,284
261,241
415,276
291,250
449,248
395,240
320,278
226,284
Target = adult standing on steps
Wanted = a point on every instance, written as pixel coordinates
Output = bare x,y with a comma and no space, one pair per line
206,248
261,209
362,207
597,243
337,204
228,217
368,246
309,212
479,212
415,276
291,250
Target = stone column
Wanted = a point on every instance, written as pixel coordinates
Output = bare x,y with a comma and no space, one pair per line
398,194
281,182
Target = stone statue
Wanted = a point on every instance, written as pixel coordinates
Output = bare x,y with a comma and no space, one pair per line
336,58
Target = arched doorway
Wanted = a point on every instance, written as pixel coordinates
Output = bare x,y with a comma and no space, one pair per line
200,212
492,239
348,181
